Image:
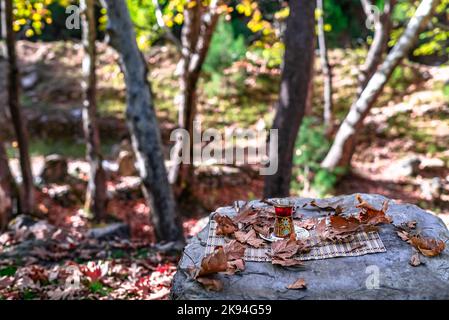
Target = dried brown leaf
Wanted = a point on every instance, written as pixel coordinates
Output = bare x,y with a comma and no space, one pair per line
235,266
249,238
225,225
429,247
403,235
341,225
213,263
325,206
370,215
298,284
415,260
308,224
211,283
264,230
234,250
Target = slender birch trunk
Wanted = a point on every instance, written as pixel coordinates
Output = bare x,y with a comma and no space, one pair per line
327,70
199,25
342,149
96,188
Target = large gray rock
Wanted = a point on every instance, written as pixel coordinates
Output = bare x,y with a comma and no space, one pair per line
338,278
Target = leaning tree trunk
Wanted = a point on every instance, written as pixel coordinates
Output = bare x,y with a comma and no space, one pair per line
382,29
19,124
199,25
342,149
296,75
143,124
327,71
6,188
96,188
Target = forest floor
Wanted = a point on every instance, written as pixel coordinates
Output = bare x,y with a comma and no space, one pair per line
411,119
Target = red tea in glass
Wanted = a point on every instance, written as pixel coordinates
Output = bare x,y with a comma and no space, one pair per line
283,225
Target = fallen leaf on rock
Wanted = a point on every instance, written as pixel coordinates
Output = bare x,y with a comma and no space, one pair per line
283,252
325,205
370,215
211,283
429,247
249,238
403,235
308,224
298,284
340,224
234,250
246,215
225,225
213,263
264,230
415,260
235,266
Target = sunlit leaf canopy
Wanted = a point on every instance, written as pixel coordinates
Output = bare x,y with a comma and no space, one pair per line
264,19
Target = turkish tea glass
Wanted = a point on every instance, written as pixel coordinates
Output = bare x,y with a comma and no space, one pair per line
283,225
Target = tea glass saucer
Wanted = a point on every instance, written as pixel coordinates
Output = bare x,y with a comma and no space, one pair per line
301,234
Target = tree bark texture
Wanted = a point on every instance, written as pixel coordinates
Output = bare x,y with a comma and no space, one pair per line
19,123
326,67
143,124
382,29
6,188
296,76
199,25
96,189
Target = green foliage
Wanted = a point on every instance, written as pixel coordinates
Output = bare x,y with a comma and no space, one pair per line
29,295
310,149
98,287
434,40
9,271
401,78
446,90
225,48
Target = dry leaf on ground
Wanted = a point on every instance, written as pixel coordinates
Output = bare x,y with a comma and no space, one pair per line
429,247
298,284
210,283
235,266
225,225
234,250
415,260
213,263
325,205
249,238
308,224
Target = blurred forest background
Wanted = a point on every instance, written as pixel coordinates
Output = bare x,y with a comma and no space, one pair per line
70,92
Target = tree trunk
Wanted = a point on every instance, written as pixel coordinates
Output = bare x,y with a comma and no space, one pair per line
20,127
296,76
327,71
143,124
342,149
6,188
382,30
199,26
96,188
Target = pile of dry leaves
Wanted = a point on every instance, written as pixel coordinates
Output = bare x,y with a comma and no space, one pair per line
242,230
